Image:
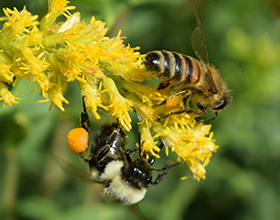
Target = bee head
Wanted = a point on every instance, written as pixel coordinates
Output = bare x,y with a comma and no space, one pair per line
138,173
222,104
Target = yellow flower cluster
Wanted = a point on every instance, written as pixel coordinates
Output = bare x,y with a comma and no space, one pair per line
109,74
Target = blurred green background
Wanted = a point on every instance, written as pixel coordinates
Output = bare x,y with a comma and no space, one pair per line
243,177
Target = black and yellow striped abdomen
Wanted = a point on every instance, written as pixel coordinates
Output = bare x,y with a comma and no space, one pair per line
172,67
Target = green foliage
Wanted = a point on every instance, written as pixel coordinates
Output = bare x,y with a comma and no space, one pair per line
243,177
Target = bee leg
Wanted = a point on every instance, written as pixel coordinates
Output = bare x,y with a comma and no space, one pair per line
85,122
178,112
173,97
203,112
85,157
164,171
113,136
152,159
130,151
140,144
133,150
201,109
172,113
103,153
160,103
210,119
163,85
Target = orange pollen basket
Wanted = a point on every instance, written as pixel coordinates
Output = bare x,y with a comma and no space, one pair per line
172,101
78,140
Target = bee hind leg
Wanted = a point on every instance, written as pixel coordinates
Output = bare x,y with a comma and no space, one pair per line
185,105
85,122
174,99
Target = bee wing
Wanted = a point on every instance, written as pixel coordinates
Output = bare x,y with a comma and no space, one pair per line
198,42
74,171
136,210
199,46
200,49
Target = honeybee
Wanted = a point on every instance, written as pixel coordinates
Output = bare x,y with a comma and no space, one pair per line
125,180
201,84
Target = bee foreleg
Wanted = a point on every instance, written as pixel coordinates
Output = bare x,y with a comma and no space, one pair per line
130,151
210,119
164,171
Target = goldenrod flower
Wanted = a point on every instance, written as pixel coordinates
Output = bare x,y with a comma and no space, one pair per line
147,140
16,25
7,96
52,54
93,97
110,75
194,145
56,8
117,104
6,74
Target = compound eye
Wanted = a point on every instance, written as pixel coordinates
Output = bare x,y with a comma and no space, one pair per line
221,105
78,140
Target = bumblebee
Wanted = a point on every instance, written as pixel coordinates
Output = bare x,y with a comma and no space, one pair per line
125,180
201,84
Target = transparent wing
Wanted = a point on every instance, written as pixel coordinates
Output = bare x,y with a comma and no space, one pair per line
135,209
200,49
74,171
198,42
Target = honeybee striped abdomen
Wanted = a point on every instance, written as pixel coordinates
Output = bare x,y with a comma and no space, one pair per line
172,68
